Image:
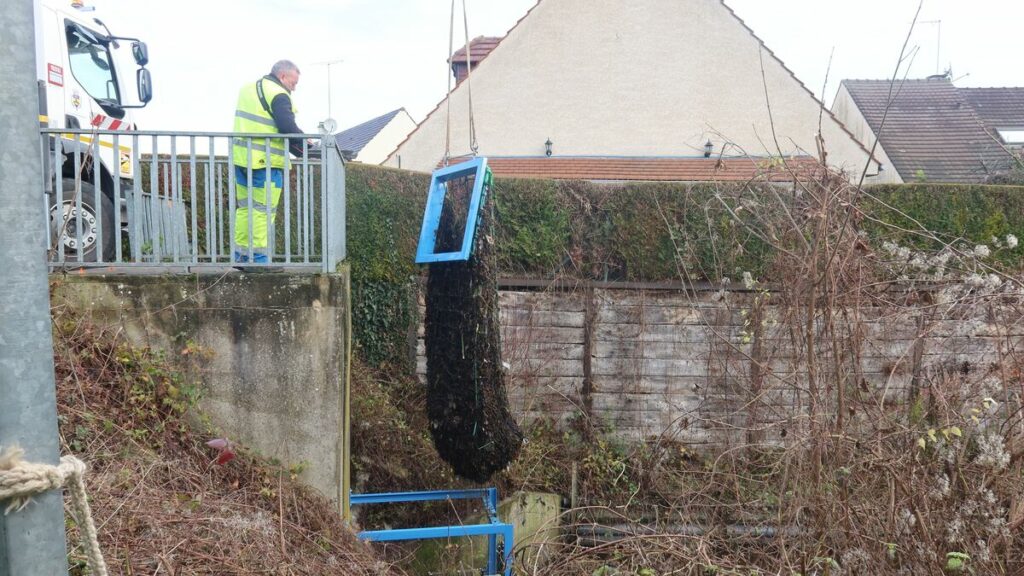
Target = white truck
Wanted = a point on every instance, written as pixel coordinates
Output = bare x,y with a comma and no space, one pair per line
85,75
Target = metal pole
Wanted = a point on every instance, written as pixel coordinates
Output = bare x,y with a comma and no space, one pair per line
330,63
333,222
32,540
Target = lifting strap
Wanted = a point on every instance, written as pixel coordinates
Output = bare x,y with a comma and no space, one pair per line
473,145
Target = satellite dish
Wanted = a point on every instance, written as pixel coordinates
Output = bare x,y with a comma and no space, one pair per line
328,126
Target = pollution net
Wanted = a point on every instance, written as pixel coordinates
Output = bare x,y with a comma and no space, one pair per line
467,403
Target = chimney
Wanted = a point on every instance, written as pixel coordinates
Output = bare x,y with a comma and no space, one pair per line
479,48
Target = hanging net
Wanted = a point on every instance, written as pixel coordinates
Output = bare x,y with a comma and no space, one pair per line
467,404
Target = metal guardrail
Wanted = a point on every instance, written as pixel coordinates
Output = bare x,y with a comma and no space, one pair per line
499,558
177,211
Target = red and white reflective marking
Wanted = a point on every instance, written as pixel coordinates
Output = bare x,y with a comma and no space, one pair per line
55,74
107,123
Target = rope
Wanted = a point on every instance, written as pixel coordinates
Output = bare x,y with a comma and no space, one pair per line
448,73
473,144
469,83
20,480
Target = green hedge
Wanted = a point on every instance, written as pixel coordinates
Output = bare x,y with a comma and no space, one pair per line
966,214
385,208
547,228
636,231
633,232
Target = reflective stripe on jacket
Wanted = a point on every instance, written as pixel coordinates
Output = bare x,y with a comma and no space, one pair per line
252,118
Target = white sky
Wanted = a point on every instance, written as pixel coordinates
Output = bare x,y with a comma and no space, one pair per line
394,51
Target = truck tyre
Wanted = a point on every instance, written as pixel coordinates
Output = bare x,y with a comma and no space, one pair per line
67,211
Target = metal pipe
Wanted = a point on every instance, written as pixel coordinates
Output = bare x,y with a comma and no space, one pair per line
143,268
594,534
287,212
77,212
58,195
424,496
324,215
173,201
249,188
268,187
97,203
332,220
31,539
154,201
211,208
492,539
193,207
51,192
232,201
118,257
220,210
137,208
171,133
307,222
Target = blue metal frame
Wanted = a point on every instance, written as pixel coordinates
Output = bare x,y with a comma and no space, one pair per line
435,202
494,528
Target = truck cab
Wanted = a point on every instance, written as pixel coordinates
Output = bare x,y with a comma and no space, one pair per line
89,79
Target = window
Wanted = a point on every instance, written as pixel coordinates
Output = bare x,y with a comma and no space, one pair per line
1014,138
91,64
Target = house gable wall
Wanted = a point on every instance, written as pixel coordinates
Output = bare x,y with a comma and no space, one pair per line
377,149
650,78
846,110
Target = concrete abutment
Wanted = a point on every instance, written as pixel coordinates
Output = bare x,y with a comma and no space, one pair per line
276,373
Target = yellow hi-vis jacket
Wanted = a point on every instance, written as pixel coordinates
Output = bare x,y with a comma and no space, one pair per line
252,117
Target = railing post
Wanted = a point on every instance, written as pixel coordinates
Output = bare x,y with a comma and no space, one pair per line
333,220
31,539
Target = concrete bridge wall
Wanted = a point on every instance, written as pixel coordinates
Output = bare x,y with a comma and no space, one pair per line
275,376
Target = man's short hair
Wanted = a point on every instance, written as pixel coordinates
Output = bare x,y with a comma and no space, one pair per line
282,66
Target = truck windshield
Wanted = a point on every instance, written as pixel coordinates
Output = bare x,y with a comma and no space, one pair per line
92,65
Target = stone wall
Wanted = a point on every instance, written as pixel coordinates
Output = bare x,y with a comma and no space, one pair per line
718,368
278,343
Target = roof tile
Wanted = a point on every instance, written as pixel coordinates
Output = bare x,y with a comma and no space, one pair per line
997,107
663,169
479,48
929,128
356,137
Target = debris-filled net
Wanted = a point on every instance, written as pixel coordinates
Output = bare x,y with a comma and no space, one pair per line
467,405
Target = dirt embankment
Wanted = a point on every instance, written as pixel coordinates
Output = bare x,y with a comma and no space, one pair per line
162,503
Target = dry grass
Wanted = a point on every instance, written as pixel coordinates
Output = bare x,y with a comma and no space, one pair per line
161,503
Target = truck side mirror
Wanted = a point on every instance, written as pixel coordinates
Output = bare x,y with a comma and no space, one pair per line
145,82
140,52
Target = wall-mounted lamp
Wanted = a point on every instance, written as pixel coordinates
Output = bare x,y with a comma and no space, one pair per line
547,147
708,149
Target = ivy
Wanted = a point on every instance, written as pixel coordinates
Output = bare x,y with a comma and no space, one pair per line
635,231
965,214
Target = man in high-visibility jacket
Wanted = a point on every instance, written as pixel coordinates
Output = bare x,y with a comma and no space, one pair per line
264,107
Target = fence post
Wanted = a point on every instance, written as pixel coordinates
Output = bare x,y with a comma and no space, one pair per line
31,540
333,221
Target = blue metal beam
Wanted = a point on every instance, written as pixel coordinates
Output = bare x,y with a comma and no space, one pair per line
492,530
433,532
428,496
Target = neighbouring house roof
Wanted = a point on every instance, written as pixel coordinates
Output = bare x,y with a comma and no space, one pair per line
930,129
355,138
663,169
998,108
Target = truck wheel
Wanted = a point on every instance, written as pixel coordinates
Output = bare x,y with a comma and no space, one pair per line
65,218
